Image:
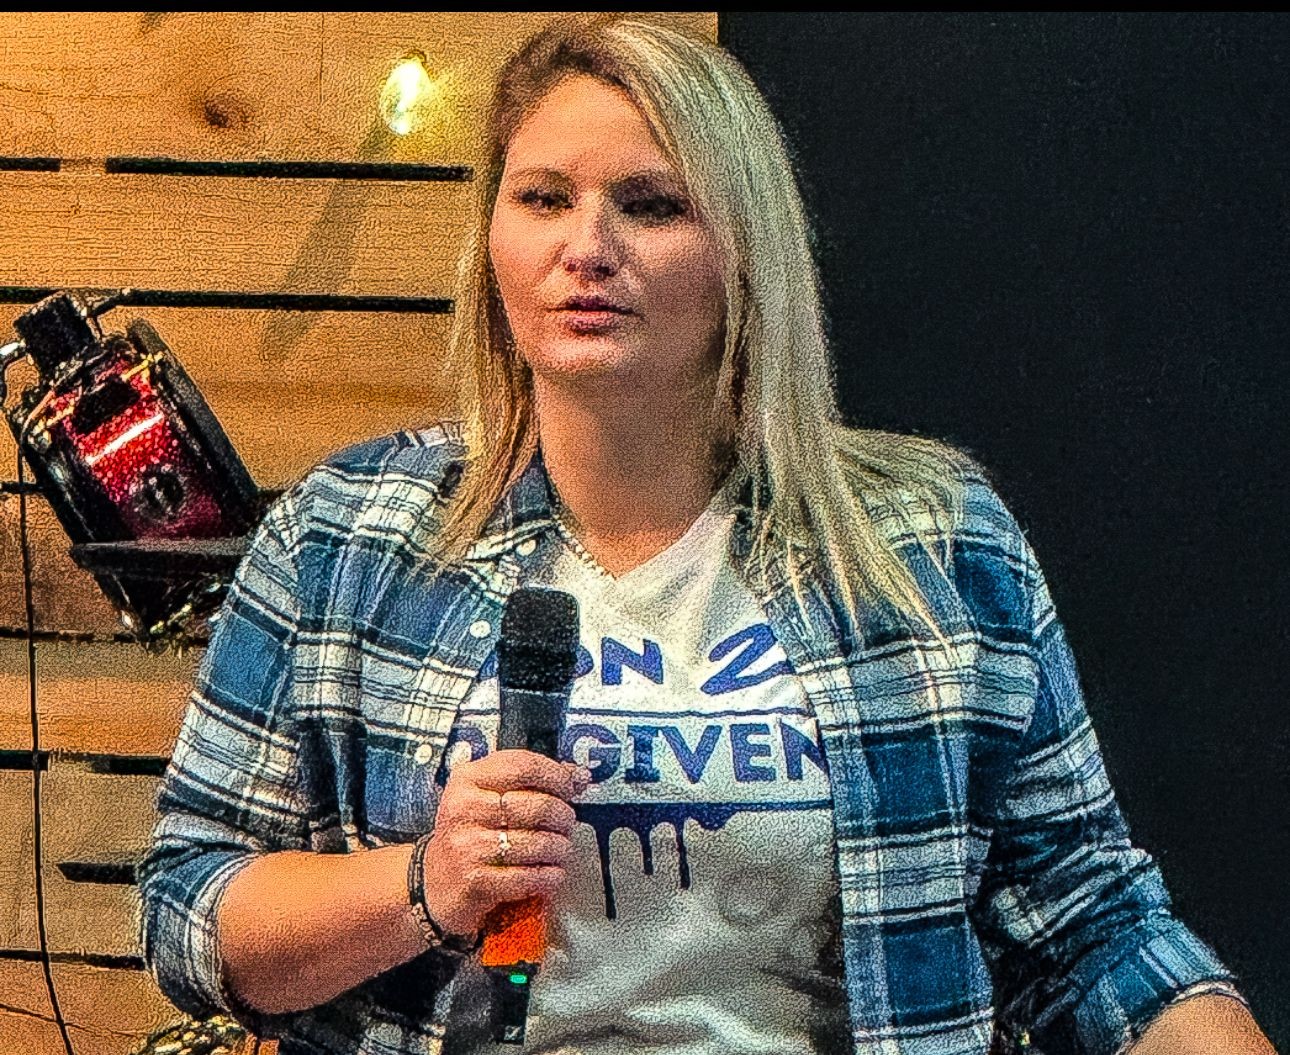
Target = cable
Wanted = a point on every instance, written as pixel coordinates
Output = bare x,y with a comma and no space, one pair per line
30,607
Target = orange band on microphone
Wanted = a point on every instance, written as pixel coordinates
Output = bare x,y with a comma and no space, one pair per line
515,933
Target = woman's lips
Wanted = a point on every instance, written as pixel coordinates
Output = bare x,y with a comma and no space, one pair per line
589,320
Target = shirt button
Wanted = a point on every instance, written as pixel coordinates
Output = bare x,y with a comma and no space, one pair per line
480,628
423,754
527,546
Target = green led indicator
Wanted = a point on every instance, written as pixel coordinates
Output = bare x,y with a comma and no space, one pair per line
519,979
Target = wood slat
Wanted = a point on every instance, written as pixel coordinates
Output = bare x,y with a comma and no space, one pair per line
81,228
281,432
31,1036
94,818
107,1011
102,1033
111,698
18,927
65,598
291,85
373,351
124,998
91,917
268,375
111,1011
95,697
22,987
15,701
378,355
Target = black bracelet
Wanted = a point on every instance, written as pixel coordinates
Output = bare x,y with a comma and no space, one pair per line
431,933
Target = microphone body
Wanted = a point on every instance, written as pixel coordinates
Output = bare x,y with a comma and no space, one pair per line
536,656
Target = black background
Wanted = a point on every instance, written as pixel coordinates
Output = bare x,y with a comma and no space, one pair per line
1060,242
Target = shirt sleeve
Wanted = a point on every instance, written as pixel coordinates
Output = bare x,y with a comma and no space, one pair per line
232,790
1076,921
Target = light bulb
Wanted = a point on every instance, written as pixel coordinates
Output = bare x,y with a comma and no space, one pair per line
407,89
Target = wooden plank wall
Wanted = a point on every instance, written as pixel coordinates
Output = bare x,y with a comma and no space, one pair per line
289,387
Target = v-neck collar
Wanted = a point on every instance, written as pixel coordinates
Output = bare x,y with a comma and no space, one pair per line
675,554
527,510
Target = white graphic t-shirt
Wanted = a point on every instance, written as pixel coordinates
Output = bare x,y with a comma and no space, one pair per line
699,916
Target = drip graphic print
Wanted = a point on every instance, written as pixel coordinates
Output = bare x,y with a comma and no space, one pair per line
749,746
700,909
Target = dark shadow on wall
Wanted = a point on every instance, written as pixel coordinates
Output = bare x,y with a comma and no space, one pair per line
1061,241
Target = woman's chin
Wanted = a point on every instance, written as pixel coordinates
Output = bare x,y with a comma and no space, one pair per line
583,361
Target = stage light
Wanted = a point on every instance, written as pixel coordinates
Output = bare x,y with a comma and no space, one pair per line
140,473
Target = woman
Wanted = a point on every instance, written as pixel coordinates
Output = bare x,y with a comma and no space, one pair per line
831,786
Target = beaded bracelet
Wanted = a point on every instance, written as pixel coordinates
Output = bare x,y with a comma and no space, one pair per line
430,931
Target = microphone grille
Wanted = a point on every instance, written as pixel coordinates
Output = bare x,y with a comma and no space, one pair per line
538,646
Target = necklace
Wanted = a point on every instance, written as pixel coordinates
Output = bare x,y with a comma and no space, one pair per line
560,513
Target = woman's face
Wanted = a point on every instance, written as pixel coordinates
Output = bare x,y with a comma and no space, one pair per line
608,276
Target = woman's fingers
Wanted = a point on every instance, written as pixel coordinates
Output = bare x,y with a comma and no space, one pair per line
473,806
472,875
502,832
523,849
532,809
475,848
516,884
519,770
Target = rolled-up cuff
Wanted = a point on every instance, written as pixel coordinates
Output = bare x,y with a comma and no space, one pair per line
1213,986
1148,969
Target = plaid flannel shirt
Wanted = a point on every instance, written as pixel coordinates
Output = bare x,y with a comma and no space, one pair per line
989,890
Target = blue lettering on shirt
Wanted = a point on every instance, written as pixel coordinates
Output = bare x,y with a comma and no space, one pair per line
745,751
747,645
758,640
749,741
693,762
643,770
602,761
614,654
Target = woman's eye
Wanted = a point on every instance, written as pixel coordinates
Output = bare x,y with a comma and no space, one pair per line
659,207
540,200
651,207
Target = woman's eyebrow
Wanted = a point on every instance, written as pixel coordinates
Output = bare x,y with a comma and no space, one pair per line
645,178
538,173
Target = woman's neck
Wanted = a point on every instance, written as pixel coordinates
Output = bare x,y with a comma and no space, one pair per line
632,475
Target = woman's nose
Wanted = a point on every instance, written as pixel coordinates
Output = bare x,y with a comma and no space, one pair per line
592,244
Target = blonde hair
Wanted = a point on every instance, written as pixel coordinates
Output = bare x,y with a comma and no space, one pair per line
775,384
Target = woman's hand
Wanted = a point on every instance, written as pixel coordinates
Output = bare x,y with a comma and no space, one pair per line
521,793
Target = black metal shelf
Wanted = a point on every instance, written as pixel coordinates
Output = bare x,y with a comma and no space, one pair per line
169,560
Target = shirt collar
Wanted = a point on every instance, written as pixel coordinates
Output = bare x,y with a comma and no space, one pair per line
526,510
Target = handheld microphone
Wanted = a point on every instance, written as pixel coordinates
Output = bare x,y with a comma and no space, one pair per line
536,655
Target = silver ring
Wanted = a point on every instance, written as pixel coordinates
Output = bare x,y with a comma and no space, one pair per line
503,847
